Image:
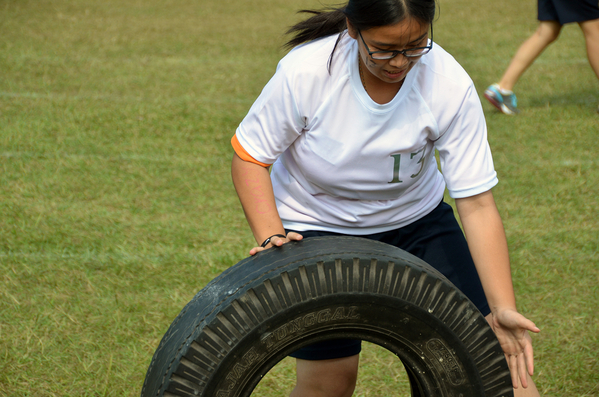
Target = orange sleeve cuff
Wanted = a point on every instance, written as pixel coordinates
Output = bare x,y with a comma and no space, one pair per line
241,152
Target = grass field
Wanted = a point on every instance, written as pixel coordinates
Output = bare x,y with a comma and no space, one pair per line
116,204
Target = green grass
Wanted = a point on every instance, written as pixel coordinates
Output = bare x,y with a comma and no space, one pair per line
116,204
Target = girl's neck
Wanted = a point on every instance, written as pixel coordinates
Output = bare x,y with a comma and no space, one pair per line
378,90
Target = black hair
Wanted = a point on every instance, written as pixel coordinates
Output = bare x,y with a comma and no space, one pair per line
362,14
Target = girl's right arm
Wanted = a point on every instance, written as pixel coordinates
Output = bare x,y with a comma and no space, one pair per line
254,188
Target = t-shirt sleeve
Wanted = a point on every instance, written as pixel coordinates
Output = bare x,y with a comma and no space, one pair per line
464,152
273,122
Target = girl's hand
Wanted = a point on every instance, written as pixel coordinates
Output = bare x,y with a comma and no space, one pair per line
512,329
277,242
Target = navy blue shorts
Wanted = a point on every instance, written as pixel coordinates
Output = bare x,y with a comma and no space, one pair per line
438,240
566,11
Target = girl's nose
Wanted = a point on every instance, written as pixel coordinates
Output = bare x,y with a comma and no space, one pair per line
399,62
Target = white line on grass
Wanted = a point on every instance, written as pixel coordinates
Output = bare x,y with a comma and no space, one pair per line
123,157
100,97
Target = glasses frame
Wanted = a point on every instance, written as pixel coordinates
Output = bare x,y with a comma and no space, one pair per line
395,53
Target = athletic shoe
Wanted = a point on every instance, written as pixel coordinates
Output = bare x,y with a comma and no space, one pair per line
503,100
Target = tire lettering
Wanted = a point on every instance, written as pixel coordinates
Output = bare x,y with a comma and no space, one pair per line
324,316
309,320
339,314
238,371
447,360
295,326
298,325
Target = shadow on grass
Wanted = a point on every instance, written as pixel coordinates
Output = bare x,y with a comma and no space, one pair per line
574,96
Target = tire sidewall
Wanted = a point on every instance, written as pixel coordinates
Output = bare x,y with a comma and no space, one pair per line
437,357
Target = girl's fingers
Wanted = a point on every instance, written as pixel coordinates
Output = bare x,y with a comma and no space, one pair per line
512,362
278,241
293,236
522,370
528,353
255,250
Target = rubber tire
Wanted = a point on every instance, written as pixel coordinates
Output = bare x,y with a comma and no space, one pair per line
257,312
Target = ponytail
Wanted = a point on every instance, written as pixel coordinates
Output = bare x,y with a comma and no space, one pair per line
323,23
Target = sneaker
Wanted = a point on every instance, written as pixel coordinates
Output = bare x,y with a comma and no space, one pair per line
503,100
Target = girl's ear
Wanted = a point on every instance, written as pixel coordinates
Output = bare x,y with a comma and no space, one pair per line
353,32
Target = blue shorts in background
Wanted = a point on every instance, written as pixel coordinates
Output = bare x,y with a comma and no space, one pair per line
567,11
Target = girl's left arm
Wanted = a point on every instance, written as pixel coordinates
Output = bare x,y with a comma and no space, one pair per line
488,245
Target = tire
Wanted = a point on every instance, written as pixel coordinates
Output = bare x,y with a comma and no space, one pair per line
267,306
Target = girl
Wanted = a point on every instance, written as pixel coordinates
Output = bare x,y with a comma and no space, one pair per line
350,123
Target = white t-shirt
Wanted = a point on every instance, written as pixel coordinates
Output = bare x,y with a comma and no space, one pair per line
346,164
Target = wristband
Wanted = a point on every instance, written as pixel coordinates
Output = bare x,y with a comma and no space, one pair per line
265,243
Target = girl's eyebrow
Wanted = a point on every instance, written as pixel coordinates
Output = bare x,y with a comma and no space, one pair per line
379,44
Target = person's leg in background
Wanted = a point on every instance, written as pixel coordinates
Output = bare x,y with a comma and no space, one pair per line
500,94
590,29
529,51
326,378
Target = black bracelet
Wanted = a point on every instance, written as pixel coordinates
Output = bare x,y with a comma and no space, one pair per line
265,243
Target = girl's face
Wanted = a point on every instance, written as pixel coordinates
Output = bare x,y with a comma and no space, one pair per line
403,35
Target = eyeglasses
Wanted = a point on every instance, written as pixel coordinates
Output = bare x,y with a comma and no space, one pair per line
408,53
